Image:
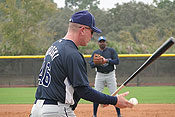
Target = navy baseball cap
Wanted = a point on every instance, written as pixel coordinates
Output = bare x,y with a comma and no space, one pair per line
101,38
85,18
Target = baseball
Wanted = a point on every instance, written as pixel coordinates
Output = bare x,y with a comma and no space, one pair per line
133,101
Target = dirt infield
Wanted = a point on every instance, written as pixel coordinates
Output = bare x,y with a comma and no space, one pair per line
85,110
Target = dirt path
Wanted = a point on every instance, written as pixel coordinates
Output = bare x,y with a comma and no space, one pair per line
85,110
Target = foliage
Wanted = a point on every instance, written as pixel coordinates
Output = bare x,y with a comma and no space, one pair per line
22,26
58,23
88,49
31,26
81,4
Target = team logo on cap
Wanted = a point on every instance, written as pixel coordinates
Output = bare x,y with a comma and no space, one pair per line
70,20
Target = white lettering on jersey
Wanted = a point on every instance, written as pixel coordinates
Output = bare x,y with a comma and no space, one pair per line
53,52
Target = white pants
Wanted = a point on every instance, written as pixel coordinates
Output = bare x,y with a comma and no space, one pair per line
47,110
109,79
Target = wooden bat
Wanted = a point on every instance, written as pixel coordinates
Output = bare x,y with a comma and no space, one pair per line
154,56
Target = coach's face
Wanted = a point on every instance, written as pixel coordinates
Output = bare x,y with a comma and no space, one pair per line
102,44
87,34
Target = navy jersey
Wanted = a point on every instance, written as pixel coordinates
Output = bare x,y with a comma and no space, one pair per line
63,69
107,53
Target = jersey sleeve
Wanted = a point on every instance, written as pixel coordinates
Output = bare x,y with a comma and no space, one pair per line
92,95
77,71
115,59
91,61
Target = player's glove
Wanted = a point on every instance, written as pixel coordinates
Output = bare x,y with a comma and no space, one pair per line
99,60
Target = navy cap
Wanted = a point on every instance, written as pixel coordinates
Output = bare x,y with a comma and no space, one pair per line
101,38
85,18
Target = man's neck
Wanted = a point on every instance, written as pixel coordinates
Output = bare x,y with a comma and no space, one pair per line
72,37
102,49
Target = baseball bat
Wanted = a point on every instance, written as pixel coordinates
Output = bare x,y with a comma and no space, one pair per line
165,46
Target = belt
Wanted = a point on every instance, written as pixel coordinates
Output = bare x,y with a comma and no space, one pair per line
105,72
53,102
46,101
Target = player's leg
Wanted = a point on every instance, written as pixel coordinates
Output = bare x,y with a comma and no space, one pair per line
34,112
111,81
99,86
37,109
112,85
95,108
60,110
118,111
99,82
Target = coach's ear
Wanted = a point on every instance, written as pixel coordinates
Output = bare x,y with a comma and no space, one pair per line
82,30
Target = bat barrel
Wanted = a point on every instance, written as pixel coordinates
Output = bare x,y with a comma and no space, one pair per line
154,56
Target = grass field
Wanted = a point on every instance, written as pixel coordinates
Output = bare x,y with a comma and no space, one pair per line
145,95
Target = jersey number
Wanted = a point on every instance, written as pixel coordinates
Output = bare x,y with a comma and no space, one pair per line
44,75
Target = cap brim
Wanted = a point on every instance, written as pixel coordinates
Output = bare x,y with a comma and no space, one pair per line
102,39
95,29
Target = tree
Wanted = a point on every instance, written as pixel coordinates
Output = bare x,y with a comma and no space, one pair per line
164,3
24,26
58,23
82,4
30,26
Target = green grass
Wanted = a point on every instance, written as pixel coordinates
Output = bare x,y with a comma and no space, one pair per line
17,95
145,95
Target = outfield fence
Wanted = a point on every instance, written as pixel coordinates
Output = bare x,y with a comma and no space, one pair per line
23,70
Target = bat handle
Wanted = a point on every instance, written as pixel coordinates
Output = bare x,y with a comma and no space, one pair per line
114,94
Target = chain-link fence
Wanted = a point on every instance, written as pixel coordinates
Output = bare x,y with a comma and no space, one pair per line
24,71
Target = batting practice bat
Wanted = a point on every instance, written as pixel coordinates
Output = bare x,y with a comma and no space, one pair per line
154,56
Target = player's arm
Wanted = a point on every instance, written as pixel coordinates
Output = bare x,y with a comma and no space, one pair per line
114,60
88,93
91,62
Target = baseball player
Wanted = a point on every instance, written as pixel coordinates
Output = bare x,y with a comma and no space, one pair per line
63,75
104,60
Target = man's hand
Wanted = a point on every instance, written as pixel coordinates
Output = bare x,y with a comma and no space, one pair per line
99,60
123,102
